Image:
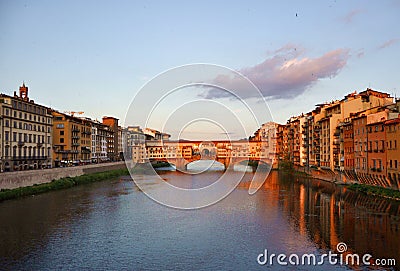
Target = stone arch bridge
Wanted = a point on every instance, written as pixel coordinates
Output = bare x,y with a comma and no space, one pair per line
181,153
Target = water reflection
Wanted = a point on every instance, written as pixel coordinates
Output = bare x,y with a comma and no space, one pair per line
112,225
329,214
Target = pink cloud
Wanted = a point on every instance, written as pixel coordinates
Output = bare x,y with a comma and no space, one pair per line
388,43
349,17
285,75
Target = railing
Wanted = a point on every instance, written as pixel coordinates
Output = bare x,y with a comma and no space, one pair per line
18,158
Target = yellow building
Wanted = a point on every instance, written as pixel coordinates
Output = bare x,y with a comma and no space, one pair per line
392,130
330,115
71,140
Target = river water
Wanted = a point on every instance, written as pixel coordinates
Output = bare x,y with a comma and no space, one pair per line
112,225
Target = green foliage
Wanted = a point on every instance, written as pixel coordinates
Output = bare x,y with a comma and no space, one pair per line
376,190
286,165
60,184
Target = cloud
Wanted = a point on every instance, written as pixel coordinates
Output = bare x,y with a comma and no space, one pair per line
388,43
286,74
360,53
349,17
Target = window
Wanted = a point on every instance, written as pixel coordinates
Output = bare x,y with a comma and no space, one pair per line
15,137
7,124
61,132
61,140
6,136
60,126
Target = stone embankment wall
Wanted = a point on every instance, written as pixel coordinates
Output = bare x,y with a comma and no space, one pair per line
11,180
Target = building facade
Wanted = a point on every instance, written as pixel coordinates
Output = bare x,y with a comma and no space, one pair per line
112,138
392,129
99,142
26,133
71,140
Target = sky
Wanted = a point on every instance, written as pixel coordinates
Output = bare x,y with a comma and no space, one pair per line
95,56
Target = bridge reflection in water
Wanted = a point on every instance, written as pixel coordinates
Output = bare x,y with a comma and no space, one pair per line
112,225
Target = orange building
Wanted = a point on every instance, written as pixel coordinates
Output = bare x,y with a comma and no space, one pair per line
377,153
71,140
348,148
360,147
392,129
113,139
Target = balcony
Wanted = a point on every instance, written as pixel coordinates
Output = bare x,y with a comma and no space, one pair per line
75,137
21,143
75,130
336,142
62,151
20,158
75,144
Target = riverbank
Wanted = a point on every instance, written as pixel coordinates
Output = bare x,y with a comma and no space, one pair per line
63,183
375,191
17,179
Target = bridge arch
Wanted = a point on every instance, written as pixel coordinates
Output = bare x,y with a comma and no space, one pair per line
253,162
205,165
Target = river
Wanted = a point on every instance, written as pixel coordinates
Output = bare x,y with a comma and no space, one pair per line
112,225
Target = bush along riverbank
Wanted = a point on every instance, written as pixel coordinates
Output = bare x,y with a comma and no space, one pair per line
62,183
376,191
